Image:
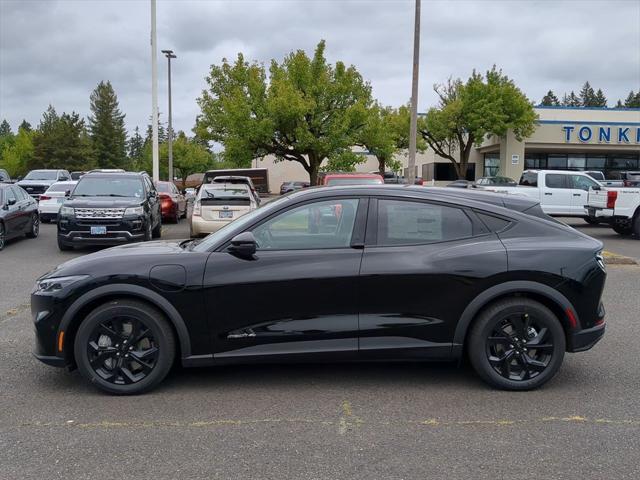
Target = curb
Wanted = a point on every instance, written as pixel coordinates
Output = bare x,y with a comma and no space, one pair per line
611,258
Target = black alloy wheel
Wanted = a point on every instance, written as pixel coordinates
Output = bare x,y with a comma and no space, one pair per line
3,236
125,347
517,344
35,226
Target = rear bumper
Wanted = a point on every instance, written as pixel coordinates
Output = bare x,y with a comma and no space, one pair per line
598,212
585,339
205,227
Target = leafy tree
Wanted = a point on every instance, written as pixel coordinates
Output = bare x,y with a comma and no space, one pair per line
135,146
5,129
61,142
106,128
632,100
18,155
25,126
468,112
571,100
600,100
309,111
550,100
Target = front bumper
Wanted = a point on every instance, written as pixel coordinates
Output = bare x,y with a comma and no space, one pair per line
73,231
46,321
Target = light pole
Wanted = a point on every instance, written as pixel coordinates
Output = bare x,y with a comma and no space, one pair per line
411,174
154,95
169,54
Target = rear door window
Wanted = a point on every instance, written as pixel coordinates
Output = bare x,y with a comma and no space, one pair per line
553,180
403,222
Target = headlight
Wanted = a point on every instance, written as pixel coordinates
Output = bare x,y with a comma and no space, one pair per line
51,285
134,211
600,260
68,211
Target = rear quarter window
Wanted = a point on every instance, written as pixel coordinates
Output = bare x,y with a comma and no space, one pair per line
529,179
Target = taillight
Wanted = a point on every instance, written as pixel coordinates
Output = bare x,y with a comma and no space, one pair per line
44,197
612,196
197,209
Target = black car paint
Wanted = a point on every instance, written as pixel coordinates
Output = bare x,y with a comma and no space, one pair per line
16,219
347,303
76,232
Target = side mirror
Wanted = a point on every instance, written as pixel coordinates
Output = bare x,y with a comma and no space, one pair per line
243,245
67,193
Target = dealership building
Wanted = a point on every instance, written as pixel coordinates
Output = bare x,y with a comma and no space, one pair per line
565,138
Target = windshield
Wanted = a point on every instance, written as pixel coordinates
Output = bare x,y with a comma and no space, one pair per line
109,187
42,175
164,187
238,225
353,181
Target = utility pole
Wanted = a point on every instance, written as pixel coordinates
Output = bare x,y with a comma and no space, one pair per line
154,95
169,54
411,174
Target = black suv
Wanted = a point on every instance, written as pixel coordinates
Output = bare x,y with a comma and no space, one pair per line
110,209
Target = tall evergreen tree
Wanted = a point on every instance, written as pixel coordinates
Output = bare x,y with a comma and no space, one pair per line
600,100
106,128
571,100
587,95
619,104
162,133
632,100
550,100
25,126
136,147
5,129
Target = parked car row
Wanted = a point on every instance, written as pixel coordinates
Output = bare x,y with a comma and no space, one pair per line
18,214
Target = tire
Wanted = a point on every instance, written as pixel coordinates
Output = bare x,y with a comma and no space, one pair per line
3,236
63,247
157,231
177,216
504,357
622,230
108,355
591,221
34,231
636,226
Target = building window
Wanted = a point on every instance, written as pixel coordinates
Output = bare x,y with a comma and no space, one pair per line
557,162
446,171
491,164
577,161
596,162
623,162
535,161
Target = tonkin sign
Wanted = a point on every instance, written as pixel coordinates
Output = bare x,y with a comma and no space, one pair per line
602,134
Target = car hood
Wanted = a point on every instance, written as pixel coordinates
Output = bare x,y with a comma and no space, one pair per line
102,202
102,260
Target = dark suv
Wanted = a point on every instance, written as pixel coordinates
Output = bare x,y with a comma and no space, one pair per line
110,209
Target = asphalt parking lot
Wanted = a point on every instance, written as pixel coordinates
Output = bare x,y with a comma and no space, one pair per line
371,421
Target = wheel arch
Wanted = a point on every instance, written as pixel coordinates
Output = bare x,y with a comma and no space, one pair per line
89,301
544,294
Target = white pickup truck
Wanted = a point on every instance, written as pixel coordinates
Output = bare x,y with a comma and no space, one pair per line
619,207
561,193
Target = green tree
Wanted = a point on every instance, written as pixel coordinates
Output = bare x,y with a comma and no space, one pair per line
162,133
25,126
135,147
468,112
632,100
5,129
600,100
309,111
550,100
189,156
571,100
18,155
61,142
587,95
106,128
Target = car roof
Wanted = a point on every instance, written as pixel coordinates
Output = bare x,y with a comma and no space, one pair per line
224,185
352,175
466,197
114,174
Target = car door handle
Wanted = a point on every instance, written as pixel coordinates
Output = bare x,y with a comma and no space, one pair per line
547,193
577,194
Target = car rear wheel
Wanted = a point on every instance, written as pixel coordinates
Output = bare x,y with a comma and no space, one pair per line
623,229
636,226
591,221
516,344
34,231
125,347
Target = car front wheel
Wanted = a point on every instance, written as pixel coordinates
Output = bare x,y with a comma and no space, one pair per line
35,226
516,344
125,347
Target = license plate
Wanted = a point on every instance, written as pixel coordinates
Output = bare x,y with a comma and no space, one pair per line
225,214
98,230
